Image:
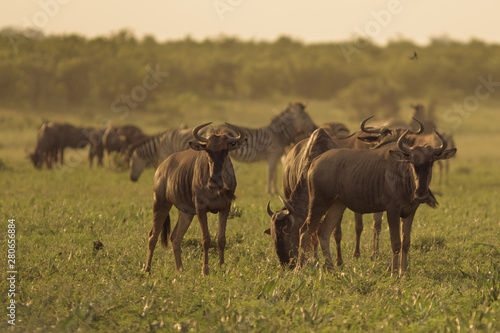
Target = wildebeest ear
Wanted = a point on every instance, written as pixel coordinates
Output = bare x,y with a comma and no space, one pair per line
238,144
198,146
399,155
448,153
267,231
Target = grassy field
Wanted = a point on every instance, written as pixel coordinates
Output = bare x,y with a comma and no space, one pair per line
64,284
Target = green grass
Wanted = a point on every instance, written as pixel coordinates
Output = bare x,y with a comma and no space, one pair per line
64,284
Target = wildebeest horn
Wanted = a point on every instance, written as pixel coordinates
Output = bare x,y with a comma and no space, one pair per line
401,145
444,143
197,136
268,208
237,130
420,126
369,130
286,204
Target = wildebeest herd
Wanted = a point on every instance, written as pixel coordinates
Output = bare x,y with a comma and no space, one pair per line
385,167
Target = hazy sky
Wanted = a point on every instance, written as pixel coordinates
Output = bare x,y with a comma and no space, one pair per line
311,21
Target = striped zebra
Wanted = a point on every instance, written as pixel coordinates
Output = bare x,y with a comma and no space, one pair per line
268,143
156,149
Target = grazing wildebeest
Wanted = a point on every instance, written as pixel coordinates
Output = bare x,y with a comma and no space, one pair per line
119,138
196,181
156,149
47,146
268,143
62,136
286,222
368,181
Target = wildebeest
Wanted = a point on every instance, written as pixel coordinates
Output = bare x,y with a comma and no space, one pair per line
119,138
368,181
369,138
196,181
58,136
286,222
156,149
47,146
268,143
421,114
424,128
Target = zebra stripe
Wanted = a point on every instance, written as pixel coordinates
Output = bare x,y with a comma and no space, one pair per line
156,149
272,140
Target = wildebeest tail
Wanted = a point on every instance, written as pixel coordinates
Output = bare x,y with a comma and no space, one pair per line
166,231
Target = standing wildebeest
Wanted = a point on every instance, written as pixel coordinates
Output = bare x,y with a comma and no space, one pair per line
268,143
47,146
368,181
156,149
196,181
119,138
421,114
425,126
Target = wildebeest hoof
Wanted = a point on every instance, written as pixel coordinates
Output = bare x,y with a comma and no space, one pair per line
206,271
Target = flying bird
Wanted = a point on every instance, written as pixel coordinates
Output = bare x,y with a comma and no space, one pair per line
415,57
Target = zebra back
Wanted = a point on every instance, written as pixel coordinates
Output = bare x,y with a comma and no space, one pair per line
284,129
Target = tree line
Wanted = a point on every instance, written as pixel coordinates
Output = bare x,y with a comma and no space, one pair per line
121,70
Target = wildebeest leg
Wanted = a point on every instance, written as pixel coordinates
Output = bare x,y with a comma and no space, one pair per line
317,209
393,221
358,224
202,218
314,244
446,170
407,223
62,156
272,163
377,227
221,237
440,165
161,208
46,156
100,155
177,235
332,222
